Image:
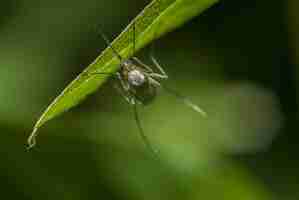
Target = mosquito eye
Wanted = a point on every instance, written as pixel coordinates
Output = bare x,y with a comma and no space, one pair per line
136,78
127,63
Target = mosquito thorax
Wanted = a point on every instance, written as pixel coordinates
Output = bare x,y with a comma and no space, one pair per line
136,77
132,73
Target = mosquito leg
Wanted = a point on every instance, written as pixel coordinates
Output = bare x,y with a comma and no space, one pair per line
91,74
154,82
185,100
123,93
162,73
142,134
150,70
156,63
156,75
107,41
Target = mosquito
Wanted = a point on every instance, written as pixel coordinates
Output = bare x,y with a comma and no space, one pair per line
138,84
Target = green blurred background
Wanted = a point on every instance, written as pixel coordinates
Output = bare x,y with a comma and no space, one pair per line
237,61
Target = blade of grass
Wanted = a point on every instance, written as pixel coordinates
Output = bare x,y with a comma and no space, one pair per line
158,18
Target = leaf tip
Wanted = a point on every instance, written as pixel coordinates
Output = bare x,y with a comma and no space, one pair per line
32,139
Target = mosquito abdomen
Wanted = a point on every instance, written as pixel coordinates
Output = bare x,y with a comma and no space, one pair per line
145,93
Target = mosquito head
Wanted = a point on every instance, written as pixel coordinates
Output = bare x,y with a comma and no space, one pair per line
127,63
136,77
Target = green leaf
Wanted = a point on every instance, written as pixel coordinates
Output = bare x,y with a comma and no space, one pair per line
158,18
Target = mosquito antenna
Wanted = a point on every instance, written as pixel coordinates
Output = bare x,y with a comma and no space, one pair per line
109,43
143,136
185,100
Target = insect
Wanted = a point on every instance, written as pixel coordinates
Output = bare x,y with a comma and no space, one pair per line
138,84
